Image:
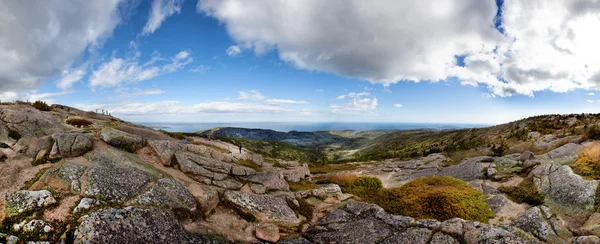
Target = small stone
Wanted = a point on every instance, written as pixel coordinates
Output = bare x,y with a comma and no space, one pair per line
85,204
267,232
527,155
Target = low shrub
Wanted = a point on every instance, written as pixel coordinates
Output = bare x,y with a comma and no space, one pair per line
79,122
41,105
302,185
4,145
343,180
525,192
588,162
438,197
368,182
593,132
14,134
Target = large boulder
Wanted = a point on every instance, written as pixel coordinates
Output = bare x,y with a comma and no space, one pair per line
208,167
116,177
564,189
166,150
24,201
169,193
269,181
133,225
123,140
469,169
540,222
27,122
527,155
70,145
296,173
264,208
207,197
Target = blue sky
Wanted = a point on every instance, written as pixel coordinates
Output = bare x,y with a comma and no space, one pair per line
228,61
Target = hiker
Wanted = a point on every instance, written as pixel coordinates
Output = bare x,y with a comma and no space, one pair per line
240,147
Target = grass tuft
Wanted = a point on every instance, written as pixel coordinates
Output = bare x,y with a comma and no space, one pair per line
588,162
525,192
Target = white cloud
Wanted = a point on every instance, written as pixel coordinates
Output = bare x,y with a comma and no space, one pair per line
591,94
250,95
590,101
46,97
175,107
70,77
546,45
139,92
200,69
233,51
118,71
285,101
159,11
355,102
397,105
414,40
319,90
41,40
488,95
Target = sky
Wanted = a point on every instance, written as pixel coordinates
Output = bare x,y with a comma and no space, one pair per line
438,61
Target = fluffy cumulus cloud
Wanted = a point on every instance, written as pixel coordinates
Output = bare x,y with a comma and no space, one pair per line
42,40
379,41
397,105
251,95
355,102
545,44
118,71
159,11
233,51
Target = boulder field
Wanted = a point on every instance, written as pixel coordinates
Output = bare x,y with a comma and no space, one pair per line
115,182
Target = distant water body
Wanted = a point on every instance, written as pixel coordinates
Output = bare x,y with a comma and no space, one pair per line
305,126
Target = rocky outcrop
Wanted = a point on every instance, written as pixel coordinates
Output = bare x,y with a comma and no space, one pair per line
116,177
123,140
210,152
70,145
133,225
24,201
540,222
169,193
564,189
211,171
264,208
166,150
296,172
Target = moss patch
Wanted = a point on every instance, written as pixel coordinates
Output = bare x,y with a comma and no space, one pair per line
524,192
250,164
438,197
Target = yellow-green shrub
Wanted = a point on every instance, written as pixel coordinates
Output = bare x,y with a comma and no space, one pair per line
343,180
526,192
438,197
368,182
588,162
41,105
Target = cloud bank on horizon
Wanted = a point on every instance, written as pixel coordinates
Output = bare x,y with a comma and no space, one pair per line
507,48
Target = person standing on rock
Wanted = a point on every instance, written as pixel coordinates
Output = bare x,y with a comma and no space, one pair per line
240,148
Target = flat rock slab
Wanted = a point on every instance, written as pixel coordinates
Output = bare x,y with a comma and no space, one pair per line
265,208
272,181
168,193
540,222
133,225
116,177
565,154
70,173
